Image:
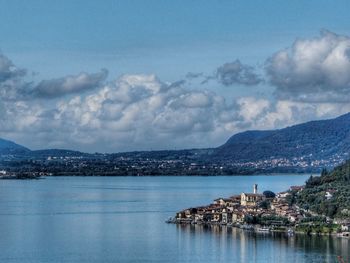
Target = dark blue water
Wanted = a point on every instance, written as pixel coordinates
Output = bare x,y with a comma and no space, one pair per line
121,219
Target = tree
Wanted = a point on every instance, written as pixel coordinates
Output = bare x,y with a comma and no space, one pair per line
269,194
324,172
264,204
313,181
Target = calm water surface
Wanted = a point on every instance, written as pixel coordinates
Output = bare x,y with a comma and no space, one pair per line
121,219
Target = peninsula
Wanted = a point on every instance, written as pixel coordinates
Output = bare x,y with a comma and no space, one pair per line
321,206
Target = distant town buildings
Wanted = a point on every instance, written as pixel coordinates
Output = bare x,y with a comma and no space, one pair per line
155,163
243,208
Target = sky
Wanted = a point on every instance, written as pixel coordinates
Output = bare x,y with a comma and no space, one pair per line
112,76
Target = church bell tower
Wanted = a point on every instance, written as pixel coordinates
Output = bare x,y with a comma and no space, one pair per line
255,188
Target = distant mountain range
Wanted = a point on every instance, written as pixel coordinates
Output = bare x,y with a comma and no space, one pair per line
316,139
323,143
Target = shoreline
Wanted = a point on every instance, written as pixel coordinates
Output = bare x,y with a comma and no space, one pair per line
185,175
290,231
266,212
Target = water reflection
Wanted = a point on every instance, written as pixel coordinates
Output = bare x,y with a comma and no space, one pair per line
248,246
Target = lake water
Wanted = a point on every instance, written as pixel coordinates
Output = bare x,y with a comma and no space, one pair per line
121,219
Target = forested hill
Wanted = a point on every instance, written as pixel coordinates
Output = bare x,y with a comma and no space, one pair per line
328,194
9,147
322,139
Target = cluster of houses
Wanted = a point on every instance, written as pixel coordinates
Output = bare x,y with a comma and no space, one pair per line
241,209
280,206
23,175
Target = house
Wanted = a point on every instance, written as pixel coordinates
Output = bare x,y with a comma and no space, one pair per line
292,217
180,215
216,218
282,195
200,214
208,216
222,201
199,217
186,214
235,199
345,227
237,217
225,216
328,195
296,188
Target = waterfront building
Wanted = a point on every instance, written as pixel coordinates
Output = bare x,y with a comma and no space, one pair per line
248,199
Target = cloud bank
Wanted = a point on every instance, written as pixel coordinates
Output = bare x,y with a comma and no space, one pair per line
87,112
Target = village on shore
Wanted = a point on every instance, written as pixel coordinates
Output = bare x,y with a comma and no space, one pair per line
5,175
263,213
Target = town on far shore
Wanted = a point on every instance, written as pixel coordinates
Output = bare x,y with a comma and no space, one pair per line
5,175
263,212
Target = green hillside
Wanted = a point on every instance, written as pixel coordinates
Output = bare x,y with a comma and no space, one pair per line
328,194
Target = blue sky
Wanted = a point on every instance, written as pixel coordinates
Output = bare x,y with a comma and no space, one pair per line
59,40
60,37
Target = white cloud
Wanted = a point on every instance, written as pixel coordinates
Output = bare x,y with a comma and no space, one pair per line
152,113
252,108
315,70
141,112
